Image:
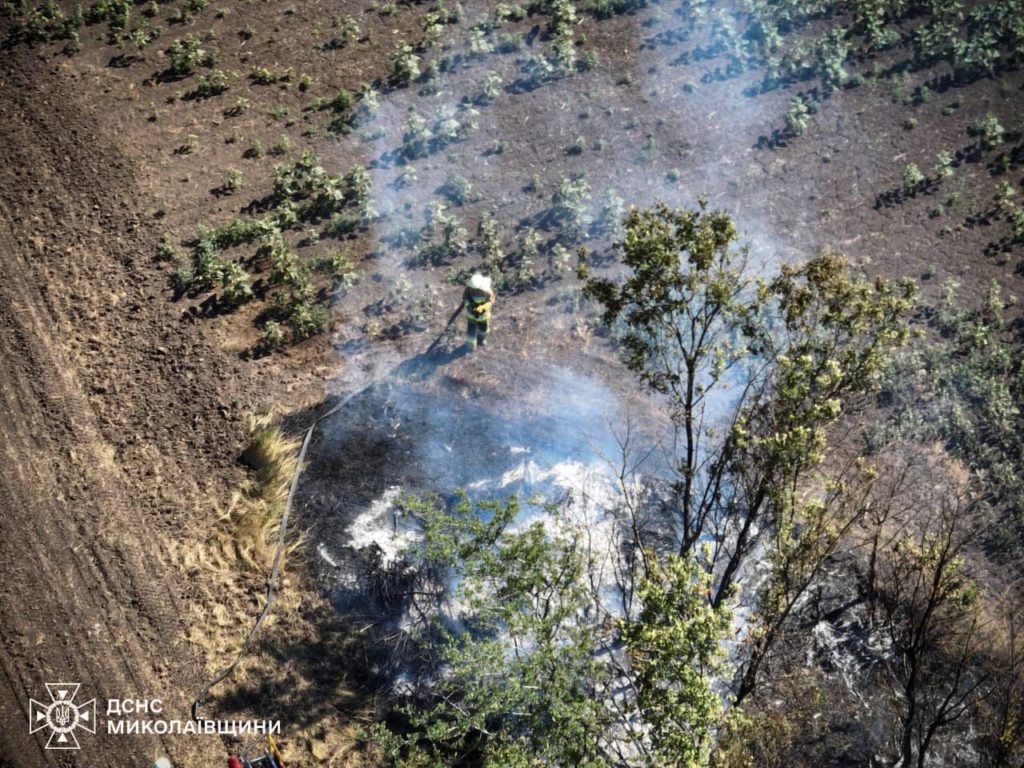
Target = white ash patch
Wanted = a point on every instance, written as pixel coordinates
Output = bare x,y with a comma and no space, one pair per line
383,527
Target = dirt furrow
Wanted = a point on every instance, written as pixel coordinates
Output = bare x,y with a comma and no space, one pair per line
101,447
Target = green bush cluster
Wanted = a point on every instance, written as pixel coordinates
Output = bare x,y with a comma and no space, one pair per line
188,10
48,22
302,191
43,23
988,131
798,117
526,588
405,64
316,194
265,76
965,388
443,237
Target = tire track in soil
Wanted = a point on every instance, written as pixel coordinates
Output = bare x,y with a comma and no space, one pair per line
104,430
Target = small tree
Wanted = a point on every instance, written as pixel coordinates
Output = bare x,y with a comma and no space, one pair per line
798,117
754,375
675,651
931,611
533,676
522,682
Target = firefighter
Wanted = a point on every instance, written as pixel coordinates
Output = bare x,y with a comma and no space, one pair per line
477,299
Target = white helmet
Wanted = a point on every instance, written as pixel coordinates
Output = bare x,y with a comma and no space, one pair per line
480,282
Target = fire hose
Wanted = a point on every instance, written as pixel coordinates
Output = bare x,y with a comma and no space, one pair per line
275,568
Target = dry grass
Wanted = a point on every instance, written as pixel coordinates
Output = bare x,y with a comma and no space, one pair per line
299,661
229,552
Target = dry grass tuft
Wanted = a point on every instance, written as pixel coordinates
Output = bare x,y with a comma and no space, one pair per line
230,551
296,670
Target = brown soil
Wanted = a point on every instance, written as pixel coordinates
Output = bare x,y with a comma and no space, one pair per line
124,410
117,426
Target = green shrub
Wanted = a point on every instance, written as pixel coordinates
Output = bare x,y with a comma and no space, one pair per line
569,205
520,271
238,108
561,17
612,213
240,232
1017,224
282,147
274,335
208,268
254,150
798,118
235,286
305,318
212,84
284,267
342,101
564,59
488,88
508,12
405,64
143,36
539,69
346,31
96,13
913,179
358,186
489,244
988,131
341,268
559,261
264,76
367,106
447,238
187,55
407,177
46,22
944,165
1004,197
183,278
457,189
831,52
509,42
578,147
479,43
587,61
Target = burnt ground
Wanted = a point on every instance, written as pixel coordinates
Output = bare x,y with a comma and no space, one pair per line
124,407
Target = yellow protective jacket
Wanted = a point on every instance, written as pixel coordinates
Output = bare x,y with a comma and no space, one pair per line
478,303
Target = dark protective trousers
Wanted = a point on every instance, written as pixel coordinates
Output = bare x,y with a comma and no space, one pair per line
476,331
